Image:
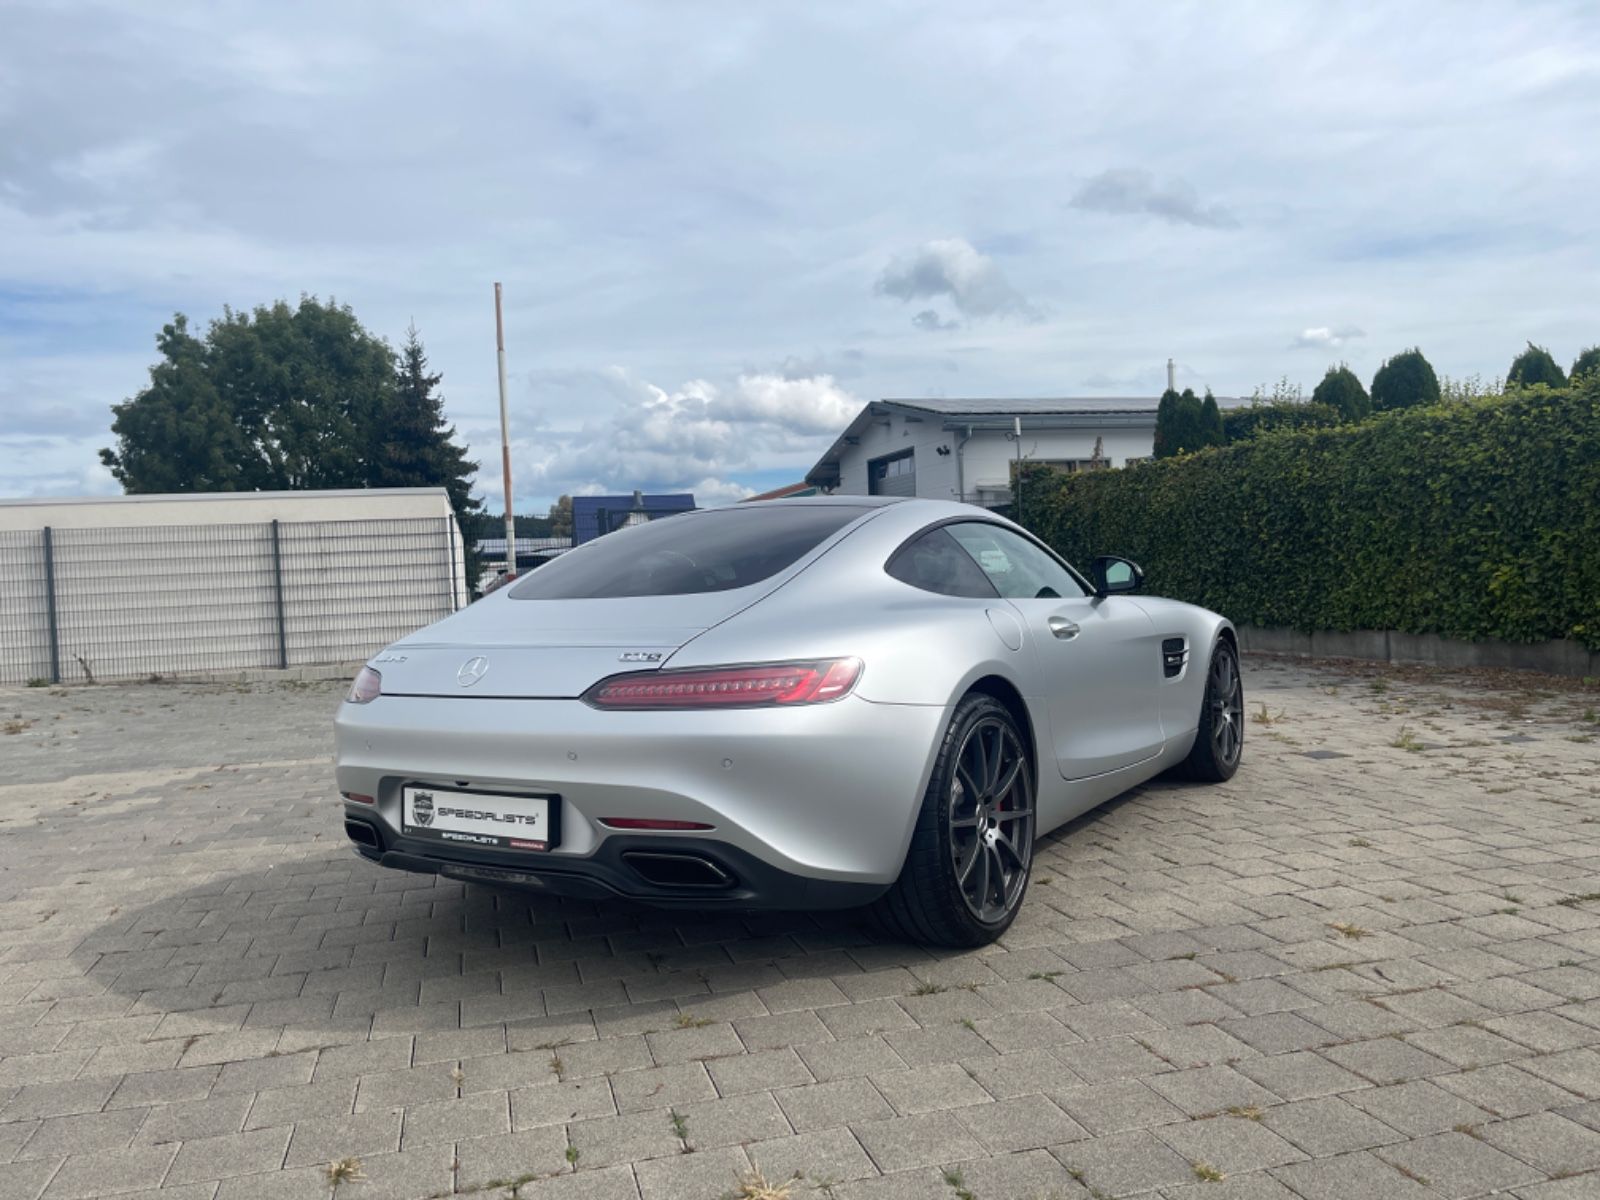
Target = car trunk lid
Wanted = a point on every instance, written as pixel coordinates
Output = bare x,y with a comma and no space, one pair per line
504,648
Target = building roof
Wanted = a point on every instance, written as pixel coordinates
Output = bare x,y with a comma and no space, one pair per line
992,406
789,489
996,413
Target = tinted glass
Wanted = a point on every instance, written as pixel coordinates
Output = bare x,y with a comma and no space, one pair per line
1018,569
676,556
935,562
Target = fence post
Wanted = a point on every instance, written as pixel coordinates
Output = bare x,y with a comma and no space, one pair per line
277,590
50,605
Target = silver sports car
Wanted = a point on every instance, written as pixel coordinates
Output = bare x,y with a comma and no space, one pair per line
811,703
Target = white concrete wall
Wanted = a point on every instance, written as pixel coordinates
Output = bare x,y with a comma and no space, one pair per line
988,455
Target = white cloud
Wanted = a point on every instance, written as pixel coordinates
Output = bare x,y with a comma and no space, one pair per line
699,436
1324,337
953,269
805,406
704,222
1131,191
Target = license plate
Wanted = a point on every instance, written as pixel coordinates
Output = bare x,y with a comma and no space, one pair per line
478,818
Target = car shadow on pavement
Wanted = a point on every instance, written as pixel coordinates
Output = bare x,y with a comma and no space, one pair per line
334,950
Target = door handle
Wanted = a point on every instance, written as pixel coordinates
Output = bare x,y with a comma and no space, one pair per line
1062,627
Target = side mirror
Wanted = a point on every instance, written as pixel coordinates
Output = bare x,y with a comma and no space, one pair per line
1112,574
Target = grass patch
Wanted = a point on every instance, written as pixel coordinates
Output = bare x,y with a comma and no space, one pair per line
753,1185
928,989
1360,843
689,1021
680,1126
1206,1173
1248,1112
1574,901
342,1170
1045,975
1347,930
1406,740
953,1179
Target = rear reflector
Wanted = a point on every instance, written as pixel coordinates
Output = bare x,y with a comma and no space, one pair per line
753,686
357,797
648,823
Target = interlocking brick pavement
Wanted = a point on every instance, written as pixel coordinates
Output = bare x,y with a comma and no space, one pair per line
1368,966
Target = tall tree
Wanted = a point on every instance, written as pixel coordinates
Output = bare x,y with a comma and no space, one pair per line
1535,365
285,398
1404,381
1166,432
1587,363
180,433
1211,421
413,445
1182,424
561,517
1341,390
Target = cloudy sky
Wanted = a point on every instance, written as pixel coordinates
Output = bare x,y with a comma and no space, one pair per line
723,227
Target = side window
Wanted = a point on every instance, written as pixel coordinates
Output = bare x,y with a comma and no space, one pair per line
1017,568
934,562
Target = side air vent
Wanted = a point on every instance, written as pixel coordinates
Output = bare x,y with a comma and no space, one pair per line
1173,655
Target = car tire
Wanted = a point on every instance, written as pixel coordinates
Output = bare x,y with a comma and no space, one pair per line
1219,740
978,815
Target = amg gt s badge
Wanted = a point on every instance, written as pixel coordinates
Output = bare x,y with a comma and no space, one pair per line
644,656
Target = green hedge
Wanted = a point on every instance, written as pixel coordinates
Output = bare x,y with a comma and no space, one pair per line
1475,520
1241,424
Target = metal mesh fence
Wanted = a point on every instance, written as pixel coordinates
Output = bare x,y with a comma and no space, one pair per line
117,603
24,609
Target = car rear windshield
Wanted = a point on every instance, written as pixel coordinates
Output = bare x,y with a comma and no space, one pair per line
698,552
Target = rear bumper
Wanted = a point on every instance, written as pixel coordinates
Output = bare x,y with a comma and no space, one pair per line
700,873
810,807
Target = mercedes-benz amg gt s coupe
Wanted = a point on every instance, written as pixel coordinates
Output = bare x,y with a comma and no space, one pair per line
815,703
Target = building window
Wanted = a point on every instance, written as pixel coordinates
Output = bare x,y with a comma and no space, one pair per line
893,475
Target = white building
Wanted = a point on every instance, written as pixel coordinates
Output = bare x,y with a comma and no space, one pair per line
965,449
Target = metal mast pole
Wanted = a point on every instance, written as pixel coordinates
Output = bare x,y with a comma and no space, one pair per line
505,438
1016,431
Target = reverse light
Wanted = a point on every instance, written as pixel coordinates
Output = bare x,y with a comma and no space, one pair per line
367,686
756,685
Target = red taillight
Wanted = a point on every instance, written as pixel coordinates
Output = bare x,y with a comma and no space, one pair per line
358,798
367,686
752,686
648,823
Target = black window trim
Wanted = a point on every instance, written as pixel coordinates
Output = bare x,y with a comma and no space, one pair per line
903,547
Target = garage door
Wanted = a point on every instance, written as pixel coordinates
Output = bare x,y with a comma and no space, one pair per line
893,475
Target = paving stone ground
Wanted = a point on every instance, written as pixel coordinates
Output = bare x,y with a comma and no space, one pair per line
1369,966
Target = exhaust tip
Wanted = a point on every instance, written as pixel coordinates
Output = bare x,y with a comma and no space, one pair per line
677,870
361,833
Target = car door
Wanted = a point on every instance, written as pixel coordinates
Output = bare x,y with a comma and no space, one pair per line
1099,659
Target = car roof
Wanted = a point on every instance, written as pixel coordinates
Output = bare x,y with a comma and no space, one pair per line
829,501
